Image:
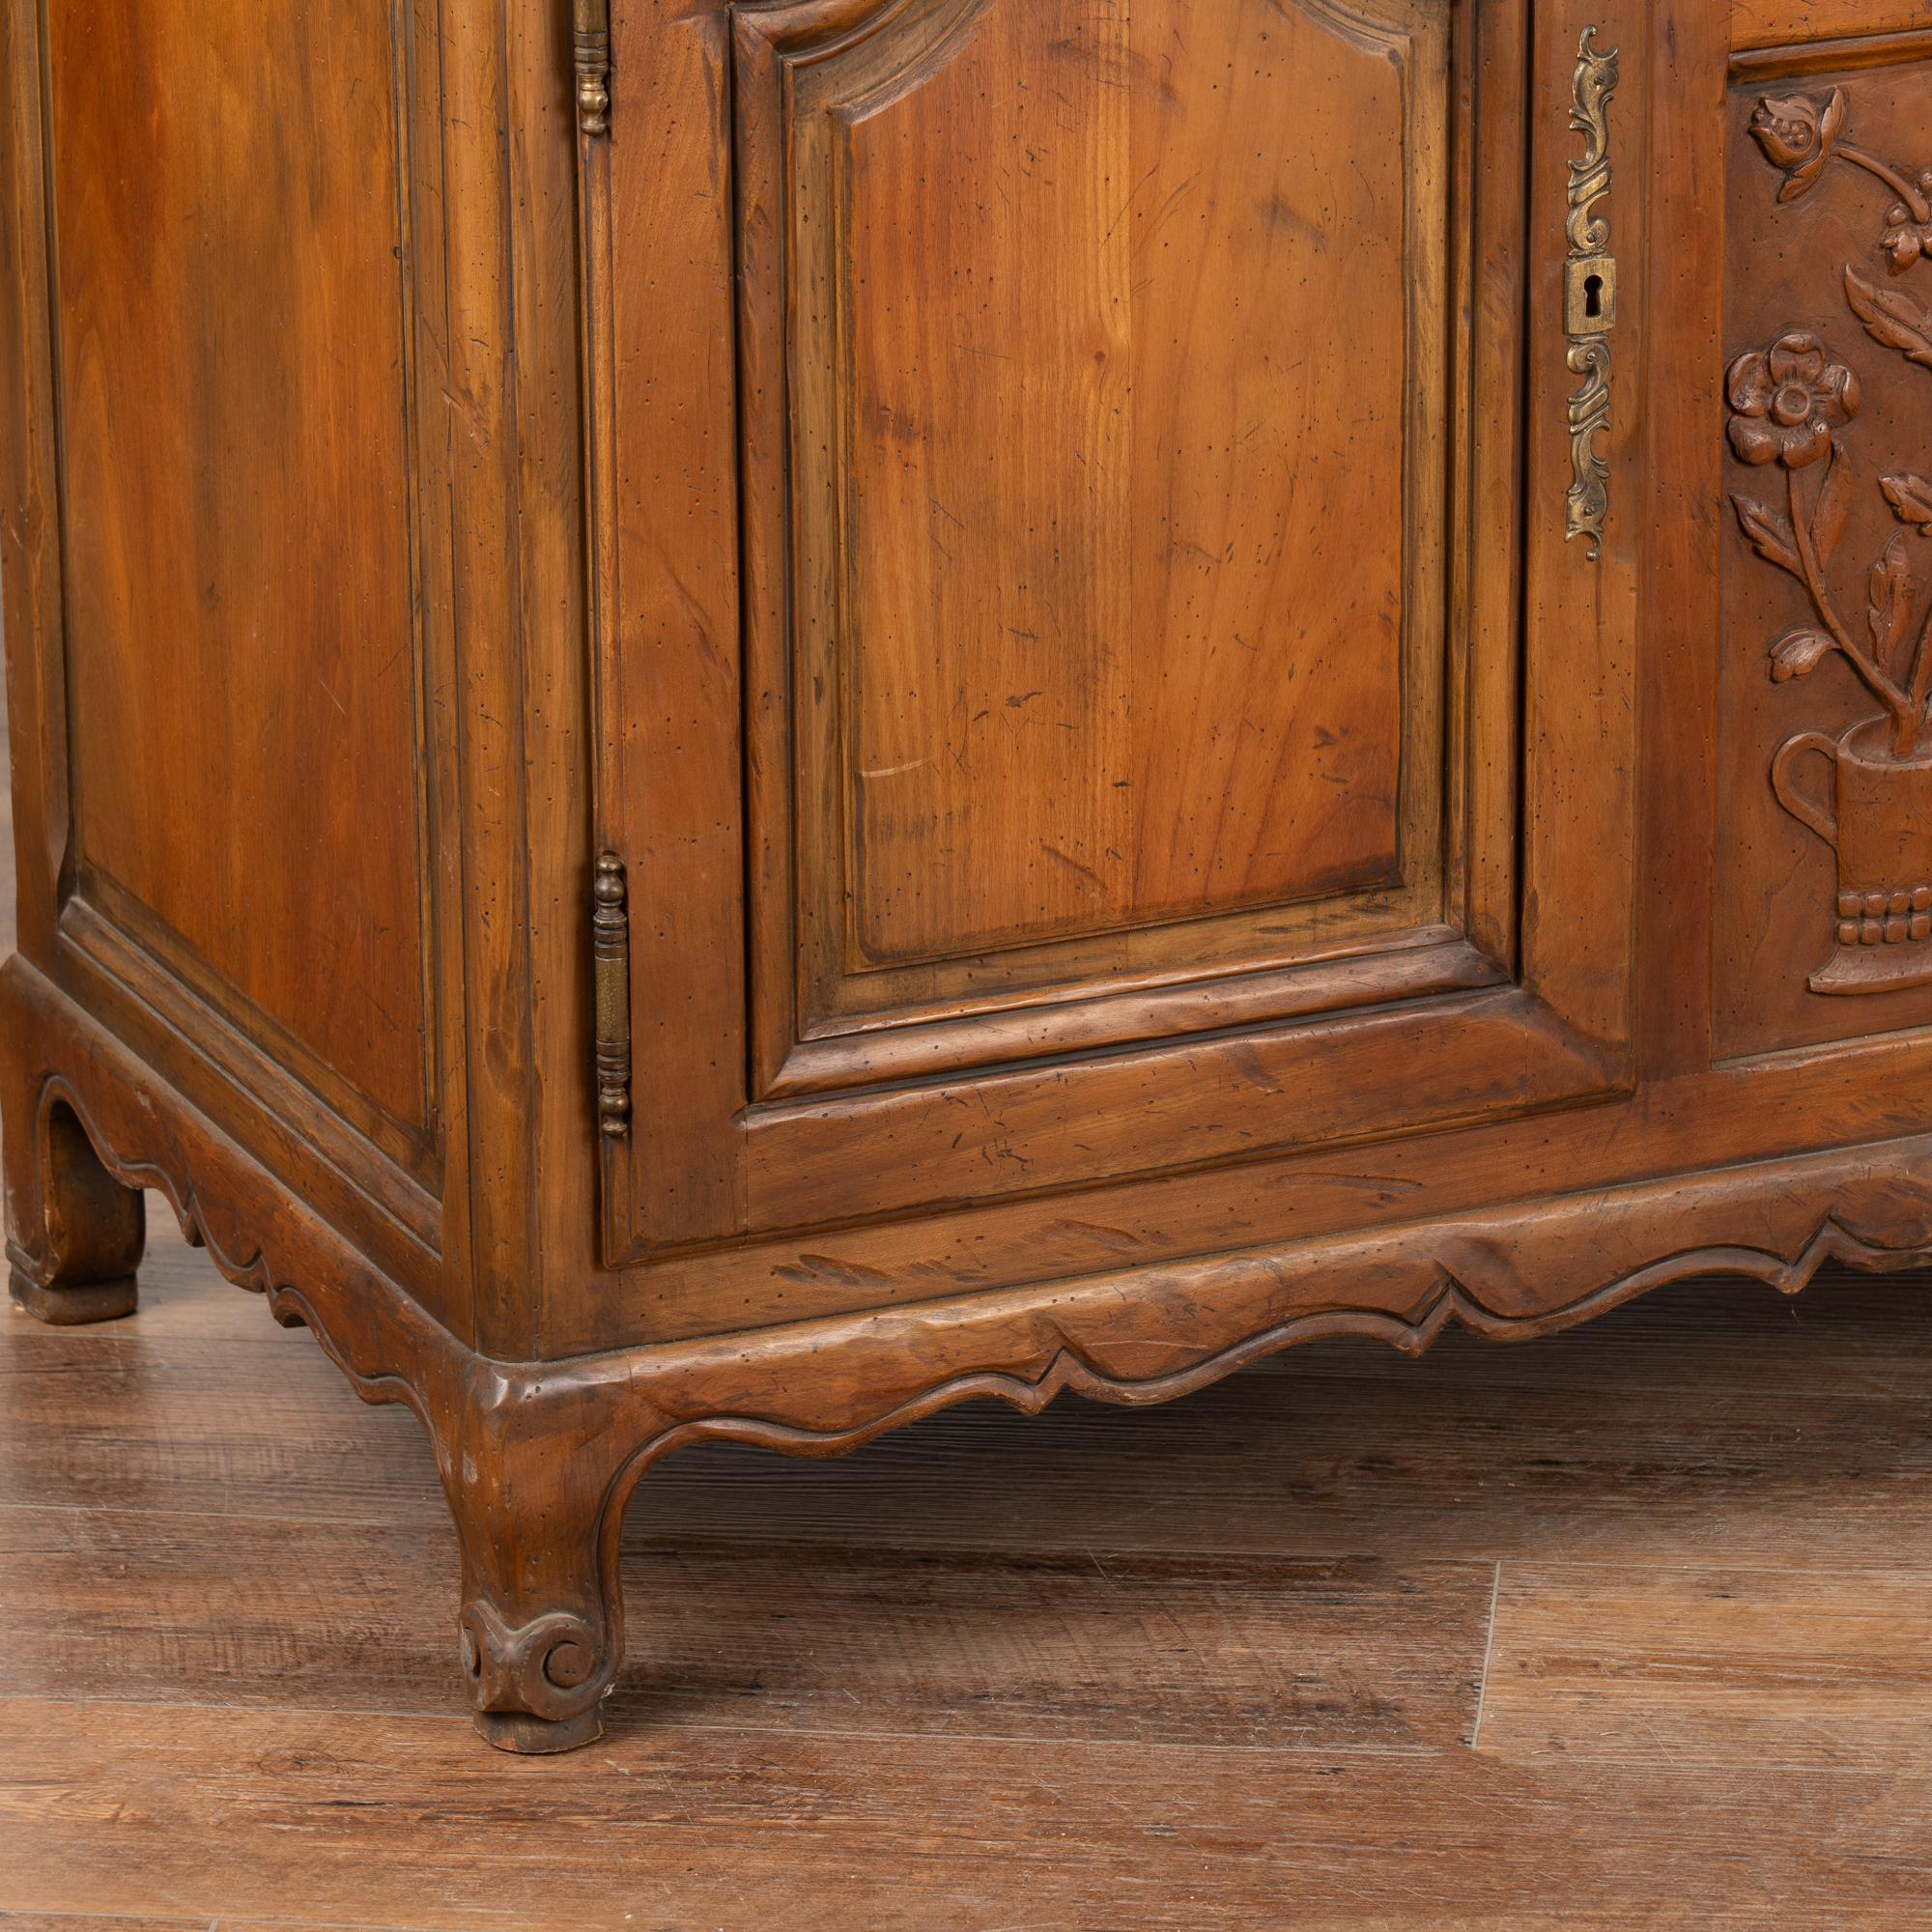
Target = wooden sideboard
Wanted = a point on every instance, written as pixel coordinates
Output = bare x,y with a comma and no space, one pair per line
732,721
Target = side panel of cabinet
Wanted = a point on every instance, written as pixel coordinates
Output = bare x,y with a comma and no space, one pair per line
1070,599
245,661
265,628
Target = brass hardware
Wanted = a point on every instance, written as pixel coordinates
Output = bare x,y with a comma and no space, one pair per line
610,955
1590,305
593,66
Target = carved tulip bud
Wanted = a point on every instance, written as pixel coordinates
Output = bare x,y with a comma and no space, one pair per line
1911,498
1904,239
1799,135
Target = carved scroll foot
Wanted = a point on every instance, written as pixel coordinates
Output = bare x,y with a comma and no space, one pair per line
541,1627
519,1676
75,1234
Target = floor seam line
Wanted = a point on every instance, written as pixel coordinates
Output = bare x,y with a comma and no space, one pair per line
1489,1657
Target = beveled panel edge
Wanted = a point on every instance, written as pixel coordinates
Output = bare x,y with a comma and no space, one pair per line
128,942
1475,1058
1844,54
1814,34
875,1152
1489,659
1381,917
251,1095
881,1155
1806,1053
1430,961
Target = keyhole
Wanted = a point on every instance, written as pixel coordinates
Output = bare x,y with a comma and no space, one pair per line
1593,296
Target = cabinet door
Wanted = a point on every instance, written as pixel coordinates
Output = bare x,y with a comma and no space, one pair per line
1080,499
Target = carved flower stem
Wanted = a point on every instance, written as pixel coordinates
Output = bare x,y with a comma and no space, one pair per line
1912,198
1885,689
1910,727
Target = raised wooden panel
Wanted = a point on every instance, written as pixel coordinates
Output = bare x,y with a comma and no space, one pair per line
1824,884
1111,571
229,219
1087,494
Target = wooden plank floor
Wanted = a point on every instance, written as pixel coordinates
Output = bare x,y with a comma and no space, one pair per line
1633,1628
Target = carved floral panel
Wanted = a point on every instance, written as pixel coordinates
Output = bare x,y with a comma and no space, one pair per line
1823,918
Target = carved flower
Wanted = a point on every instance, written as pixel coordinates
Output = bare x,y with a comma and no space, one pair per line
1789,398
1799,135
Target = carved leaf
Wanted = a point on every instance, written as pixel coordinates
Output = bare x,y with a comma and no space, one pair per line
1892,594
1891,317
1834,503
1911,499
1770,533
1798,652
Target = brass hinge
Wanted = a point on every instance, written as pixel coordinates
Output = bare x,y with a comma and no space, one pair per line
611,957
593,66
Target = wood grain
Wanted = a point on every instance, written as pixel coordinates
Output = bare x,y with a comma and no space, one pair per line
233,357
1256,1651
1764,23
189,1803
237,1425
1625,1663
1150,718
1687,53
1378,1466
92,1922
539,1529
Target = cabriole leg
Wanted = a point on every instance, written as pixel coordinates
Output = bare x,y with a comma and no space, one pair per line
543,1614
